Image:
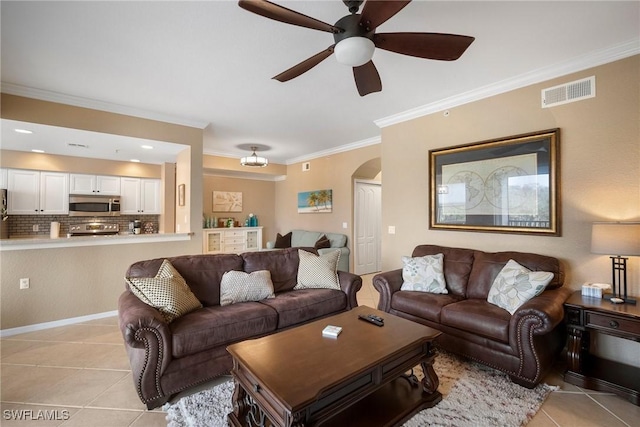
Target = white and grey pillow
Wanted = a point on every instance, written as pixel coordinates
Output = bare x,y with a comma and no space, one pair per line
516,285
318,271
238,286
424,274
167,291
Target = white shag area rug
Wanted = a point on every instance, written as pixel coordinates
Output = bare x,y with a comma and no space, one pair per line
473,395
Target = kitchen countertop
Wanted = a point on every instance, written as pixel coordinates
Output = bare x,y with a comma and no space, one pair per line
43,242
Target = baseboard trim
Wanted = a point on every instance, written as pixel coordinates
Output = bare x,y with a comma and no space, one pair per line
56,323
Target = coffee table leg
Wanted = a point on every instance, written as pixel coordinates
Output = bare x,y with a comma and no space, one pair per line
245,410
239,404
430,382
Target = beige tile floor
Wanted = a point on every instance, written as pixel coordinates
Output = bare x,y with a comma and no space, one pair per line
79,375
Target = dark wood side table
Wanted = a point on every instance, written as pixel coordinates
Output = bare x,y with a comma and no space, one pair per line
585,315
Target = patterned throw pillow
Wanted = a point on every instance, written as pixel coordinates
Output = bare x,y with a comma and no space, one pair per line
168,292
238,286
516,285
318,271
424,274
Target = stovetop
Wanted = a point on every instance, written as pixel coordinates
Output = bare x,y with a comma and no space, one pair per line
94,228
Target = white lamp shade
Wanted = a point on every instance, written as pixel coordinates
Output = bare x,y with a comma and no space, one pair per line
255,161
354,51
615,238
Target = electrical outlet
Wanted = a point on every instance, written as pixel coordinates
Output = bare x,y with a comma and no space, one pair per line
392,229
24,283
36,227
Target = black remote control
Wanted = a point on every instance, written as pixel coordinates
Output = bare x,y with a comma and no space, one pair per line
371,320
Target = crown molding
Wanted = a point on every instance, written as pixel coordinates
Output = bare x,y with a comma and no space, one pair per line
342,148
77,101
583,62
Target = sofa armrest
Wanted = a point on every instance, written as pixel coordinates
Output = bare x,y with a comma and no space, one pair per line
386,284
547,308
536,334
148,343
350,285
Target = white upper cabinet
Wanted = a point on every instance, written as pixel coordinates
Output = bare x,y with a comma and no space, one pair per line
140,196
94,184
35,193
4,178
150,196
54,193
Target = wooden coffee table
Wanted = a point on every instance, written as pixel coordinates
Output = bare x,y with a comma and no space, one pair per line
300,378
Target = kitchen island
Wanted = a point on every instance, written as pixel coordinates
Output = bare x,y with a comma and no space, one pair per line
42,242
74,279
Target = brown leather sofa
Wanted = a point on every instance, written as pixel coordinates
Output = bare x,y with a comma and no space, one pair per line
523,345
167,358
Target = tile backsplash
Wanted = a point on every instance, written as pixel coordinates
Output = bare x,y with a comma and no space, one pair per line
22,225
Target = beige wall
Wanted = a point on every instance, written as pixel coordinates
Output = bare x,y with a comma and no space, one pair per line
218,163
258,198
599,173
53,162
74,282
334,172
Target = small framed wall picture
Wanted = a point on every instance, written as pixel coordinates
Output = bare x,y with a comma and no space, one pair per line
181,195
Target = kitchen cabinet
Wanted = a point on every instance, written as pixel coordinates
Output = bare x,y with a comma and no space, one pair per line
37,192
231,240
140,195
94,184
4,180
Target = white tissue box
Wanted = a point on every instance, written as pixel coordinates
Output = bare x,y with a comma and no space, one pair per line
595,290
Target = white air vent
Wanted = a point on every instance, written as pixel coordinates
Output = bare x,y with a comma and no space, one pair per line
569,92
74,145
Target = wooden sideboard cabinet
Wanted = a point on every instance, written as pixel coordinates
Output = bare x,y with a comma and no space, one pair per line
585,315
231,240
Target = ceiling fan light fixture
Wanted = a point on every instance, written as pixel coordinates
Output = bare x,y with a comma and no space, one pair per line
254,160
354,51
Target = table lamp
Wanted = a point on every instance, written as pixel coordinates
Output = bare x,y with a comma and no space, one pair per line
617,239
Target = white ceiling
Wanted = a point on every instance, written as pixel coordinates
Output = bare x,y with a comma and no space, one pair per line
210,63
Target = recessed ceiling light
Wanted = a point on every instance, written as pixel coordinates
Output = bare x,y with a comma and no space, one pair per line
135,160
23,131
148,147
37,151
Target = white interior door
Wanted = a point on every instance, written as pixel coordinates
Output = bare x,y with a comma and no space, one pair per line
367,218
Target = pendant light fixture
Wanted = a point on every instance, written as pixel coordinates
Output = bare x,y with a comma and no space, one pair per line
254,160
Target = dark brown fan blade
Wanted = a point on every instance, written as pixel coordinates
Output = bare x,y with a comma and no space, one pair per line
305,65
444,47
375,13
367,79
288,16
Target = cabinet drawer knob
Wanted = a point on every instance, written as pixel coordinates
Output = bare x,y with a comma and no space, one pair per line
614,324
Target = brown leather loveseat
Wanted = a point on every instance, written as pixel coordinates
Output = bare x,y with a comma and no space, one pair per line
523,345
167,358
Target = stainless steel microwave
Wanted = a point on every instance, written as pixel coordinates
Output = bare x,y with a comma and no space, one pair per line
93,205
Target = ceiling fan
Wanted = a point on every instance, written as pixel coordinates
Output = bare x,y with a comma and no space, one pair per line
356,39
